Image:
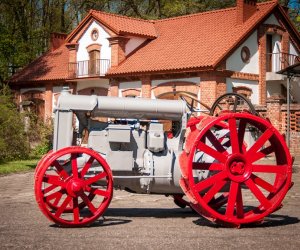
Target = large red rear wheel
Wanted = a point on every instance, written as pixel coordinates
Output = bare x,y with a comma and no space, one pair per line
67,192
225,172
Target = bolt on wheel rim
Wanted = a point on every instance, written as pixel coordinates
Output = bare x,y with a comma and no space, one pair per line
74,186
227,176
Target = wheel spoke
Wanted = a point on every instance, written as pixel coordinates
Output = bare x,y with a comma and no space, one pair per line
239,204
260,142
54,180
241,134
258,194
277,169
57,196
207,166
221,157
87,201
233,135
74,165
215,142
101,192
262,183
210,181
87,166
262,153
49,189
63,206
213,190
60,169
95,178
234,186
76,210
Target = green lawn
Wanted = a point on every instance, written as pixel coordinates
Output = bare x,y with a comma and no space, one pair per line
17,166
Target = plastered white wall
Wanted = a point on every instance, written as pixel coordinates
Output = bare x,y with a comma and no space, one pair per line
295,89
129,85
273,87
272,20
86,40
97,83
235,63
292,49
253,85
276,50
133,43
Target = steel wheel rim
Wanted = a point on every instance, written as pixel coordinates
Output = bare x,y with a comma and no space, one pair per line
74,188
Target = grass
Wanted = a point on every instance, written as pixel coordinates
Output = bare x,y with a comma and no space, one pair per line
17,166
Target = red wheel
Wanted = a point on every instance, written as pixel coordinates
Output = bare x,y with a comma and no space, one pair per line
69,178
226,176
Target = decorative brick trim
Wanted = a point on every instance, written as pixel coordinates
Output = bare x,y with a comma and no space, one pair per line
93,46
131,92
243,76
190,87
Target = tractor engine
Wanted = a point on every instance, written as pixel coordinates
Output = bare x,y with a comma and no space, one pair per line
229,165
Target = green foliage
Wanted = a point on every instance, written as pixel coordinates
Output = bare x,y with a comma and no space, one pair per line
39,135
13,140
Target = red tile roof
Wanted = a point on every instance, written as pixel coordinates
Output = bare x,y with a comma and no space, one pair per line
193,41
126,25
197,41
50,66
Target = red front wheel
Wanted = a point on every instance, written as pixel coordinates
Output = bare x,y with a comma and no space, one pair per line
73,186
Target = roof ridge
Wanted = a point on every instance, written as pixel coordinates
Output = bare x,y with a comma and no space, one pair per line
122,16
209,12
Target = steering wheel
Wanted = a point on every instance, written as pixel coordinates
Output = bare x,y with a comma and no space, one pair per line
232,99
190,101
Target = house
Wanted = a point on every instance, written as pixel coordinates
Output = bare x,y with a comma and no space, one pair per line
207,54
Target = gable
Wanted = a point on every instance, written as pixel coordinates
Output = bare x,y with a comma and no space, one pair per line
87,40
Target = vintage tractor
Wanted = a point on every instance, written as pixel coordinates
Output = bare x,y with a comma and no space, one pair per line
227,163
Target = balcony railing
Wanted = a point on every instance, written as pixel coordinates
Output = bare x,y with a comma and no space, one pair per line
89,68
279,61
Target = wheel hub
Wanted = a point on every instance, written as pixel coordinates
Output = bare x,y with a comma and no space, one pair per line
237,168
74,187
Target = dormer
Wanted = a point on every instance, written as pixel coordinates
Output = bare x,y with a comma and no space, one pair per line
105,40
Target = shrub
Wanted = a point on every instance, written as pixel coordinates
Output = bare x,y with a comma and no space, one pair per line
13,140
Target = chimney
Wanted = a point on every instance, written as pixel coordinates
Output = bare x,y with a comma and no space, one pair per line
56,40
245,9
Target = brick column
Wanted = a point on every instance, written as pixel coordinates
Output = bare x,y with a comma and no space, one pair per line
274,104
208,89
114,87
117,44
48,102
262,48
285,47
221,85
146,87
72,59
